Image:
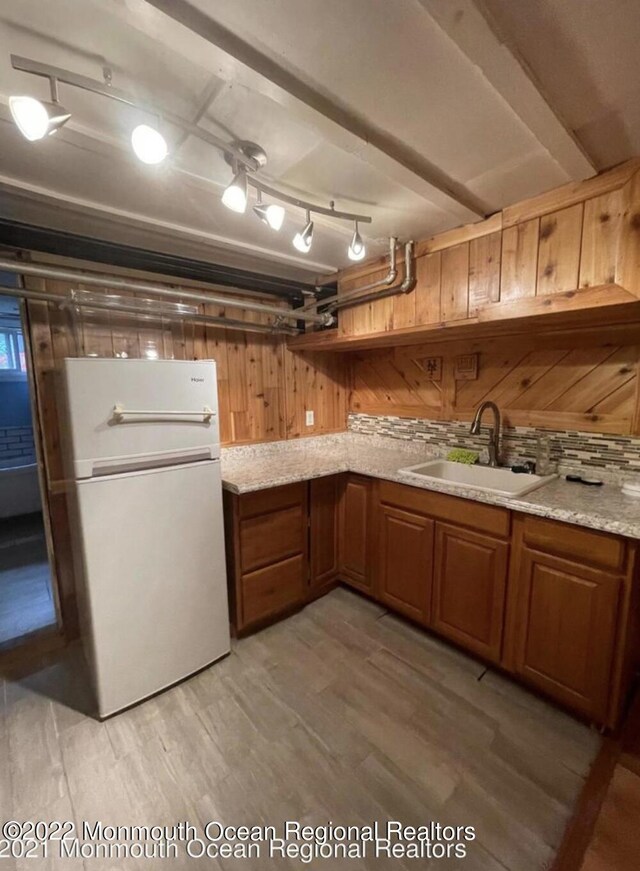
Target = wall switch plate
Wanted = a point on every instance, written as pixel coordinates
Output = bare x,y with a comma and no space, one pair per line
310,418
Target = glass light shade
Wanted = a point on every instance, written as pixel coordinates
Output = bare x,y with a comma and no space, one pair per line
235,194
149,145
273,214
302,241
35,119
357,249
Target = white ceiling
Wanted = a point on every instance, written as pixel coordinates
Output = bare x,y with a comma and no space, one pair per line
417,112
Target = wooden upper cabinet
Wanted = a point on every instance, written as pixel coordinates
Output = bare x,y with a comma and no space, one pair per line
519,261
469,589
405,561
323,526
600,235
559,250
454,283
355,526
573,244
484,271
566,629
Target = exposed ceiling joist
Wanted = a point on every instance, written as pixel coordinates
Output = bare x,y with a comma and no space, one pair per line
419,174
470,27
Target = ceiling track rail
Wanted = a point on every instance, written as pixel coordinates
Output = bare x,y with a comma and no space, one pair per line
73,302
112,282
233,150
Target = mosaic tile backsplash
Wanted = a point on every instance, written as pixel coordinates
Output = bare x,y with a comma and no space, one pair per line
609,457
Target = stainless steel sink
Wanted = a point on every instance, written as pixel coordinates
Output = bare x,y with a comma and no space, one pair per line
501,482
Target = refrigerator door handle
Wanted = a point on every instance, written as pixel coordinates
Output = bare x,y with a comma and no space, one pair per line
120,414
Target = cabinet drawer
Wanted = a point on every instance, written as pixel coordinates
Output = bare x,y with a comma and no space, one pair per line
586,545
270,590
270,538
465,512
263,501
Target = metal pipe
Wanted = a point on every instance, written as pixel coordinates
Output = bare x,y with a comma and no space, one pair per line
106,89
111,281
408,284
211,320
388,279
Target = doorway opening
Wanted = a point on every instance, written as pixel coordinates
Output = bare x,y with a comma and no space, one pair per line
27,604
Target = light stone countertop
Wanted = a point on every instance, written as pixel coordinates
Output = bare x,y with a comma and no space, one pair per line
258,467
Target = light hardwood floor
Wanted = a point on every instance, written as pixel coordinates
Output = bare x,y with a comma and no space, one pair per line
343,712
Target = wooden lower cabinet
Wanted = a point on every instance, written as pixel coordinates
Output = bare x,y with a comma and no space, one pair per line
405,561
554,604
355,528
267,553
469,587
282,549
564,627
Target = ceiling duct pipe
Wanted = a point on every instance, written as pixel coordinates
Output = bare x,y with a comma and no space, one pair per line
73,302
388,280
358,297
110,281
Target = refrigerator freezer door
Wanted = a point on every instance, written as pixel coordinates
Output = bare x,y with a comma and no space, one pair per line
129,414
154,586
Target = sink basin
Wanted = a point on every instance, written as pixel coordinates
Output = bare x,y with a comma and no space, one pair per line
501,482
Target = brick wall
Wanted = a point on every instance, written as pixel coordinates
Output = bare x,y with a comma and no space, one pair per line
16,444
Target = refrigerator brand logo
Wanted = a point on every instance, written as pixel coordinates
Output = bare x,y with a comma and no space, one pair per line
197,380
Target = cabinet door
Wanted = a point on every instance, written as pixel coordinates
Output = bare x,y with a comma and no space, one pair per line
405,561
469,589
565,630
323,508
355,510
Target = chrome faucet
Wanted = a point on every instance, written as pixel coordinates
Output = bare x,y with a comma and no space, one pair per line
494,439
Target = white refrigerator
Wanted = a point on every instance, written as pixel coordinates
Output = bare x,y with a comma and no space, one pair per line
143,454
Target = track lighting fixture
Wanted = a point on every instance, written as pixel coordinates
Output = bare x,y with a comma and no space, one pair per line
149,145
235,194
302,241
271,214
356,249
36,119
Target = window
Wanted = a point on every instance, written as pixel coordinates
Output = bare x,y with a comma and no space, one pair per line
12,357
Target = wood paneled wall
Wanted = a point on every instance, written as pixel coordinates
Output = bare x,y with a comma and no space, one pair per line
264,389
587,383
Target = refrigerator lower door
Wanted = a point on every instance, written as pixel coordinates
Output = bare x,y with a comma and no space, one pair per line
155,588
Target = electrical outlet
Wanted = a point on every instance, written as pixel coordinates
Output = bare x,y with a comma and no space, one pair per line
310,418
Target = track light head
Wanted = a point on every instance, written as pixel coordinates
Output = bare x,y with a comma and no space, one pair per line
302,241
149,145
36,119
270,214
357,249
235,194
